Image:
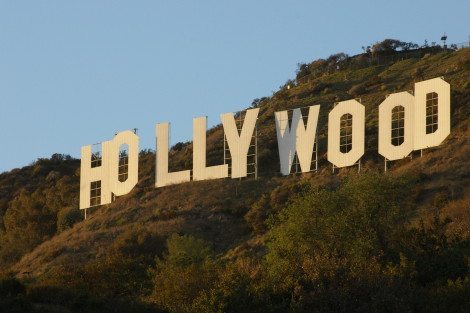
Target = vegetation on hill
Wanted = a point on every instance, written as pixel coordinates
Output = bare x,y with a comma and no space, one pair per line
36,202
318,242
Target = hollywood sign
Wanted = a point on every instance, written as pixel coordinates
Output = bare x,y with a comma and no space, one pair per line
406,123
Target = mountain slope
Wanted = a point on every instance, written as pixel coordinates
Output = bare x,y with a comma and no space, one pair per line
234,215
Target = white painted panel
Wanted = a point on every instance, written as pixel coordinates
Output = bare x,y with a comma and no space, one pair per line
285,141
239,144
107,173
200,170
132,141
89,174
298,138
306,137
442,88
162,176
386,148
357,111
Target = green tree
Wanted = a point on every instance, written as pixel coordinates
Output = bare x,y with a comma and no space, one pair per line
329,248
183,274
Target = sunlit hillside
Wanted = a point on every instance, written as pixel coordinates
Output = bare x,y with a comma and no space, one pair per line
376,242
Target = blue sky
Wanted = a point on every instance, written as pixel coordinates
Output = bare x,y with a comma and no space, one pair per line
75,72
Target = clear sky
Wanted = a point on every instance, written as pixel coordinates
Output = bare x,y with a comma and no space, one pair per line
73,73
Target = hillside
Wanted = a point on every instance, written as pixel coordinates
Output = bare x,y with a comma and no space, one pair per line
44,242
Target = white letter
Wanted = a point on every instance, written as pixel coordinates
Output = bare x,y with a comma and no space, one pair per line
335,156
386,147
92,175
425,91
130,139
301,140
103,177
239,143
162,176
200,170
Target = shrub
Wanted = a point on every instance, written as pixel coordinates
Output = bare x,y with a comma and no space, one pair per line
258,213
12,296
183,274
352,249
67,217
234,291
331,244
391,45
11,287
357,90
